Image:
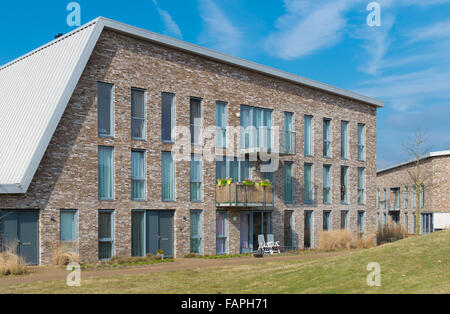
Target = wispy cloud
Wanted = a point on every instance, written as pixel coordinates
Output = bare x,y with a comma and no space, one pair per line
307,27
171,28
440,30
219,32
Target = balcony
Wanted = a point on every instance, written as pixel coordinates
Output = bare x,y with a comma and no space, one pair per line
239,195
268,140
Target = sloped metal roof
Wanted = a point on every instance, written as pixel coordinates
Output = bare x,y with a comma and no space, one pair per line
36,88
430,155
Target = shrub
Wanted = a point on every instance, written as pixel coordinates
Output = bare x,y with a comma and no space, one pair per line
11,264
365,242
390,232
335,240
64,254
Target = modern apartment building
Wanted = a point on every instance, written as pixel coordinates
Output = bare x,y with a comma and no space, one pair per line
396,194
121,140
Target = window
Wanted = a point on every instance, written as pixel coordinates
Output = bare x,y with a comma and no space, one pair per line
196,121
288,182
289,137
344,184
422,192
414,227
344,139
105,234
138,233
344,219
267,175
384,199
105,173
396,194
257,127
308,135
360,222
414,197
237,169
289,229
327,184
168,177
308,184
361,186
426,222
137,114
138,180
406,223
168,117
221,124
105,109
378,199
326,221
196,231
221,232
378,221
68,226
361,142
196,178
405,196
326,138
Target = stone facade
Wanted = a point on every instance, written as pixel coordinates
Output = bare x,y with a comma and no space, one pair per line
435,174
67,175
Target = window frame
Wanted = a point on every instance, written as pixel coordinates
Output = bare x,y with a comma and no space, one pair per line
106,240
361,142
305,200
327,138
144,179
111,111
344,185
199,181
326,217
74,227
200,235
144,138
172,118
225,235
288,197
310,151
361,186
174,187
112,171
222,129
345,153
192,121
327,185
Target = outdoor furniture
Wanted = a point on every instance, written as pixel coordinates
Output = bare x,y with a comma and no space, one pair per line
272,245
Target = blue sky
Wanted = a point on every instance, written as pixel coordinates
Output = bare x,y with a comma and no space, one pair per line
405,62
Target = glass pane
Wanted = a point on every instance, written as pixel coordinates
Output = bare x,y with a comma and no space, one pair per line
196,121
288,229
308,135
221,170
220,224
105,106
344,139
308,183
137,103
105,173
137,128
196,191
104,225
288,182
68,223
221,247
167,117
104,250
245,232
257,228
137,234
168,177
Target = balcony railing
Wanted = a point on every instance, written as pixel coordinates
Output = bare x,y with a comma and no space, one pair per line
239,195
264,139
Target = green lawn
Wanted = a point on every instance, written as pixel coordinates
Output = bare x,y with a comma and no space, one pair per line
414,265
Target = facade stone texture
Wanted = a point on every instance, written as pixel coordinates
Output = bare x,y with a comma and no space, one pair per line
435,174
67,175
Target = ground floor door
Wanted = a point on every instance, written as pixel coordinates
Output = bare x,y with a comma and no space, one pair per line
254,224
152,231
308,229
19,232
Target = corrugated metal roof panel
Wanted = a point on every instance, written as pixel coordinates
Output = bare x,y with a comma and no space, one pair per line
34,91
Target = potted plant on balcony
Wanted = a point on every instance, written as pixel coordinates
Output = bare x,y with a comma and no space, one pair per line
266,183
221,182
248,182
229,181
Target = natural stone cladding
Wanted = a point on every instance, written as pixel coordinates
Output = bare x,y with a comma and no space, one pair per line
435,174
67,175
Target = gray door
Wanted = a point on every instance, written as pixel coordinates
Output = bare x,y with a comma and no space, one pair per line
160,232
20,233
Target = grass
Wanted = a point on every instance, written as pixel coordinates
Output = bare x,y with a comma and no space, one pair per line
414,265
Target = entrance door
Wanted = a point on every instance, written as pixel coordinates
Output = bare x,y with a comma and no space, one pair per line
308,230
159,229
254,224
19,233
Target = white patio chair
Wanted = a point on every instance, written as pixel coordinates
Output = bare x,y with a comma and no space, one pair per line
261,243
272,245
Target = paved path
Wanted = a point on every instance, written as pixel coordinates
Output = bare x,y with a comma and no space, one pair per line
51,273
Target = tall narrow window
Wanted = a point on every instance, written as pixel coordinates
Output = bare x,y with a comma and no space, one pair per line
221,124
422,192
361,186
308,135
138,233
308,183
326,138
168,117
196,121
344,219
414,197
344,184
267,175
196,178
288,183
326,221
105,234
360,222
137,114
361,142
344,139
384,199
405,197
105,173
289,137
289,228
68,227
406,223
256,126
196,231
105,109
221,232
168,177
378,198
138,180
327,184
234,168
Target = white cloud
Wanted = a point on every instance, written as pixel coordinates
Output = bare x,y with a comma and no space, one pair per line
171,28
307,27
219,32
439,30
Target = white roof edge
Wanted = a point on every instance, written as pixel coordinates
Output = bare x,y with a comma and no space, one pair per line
430,155
249,65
